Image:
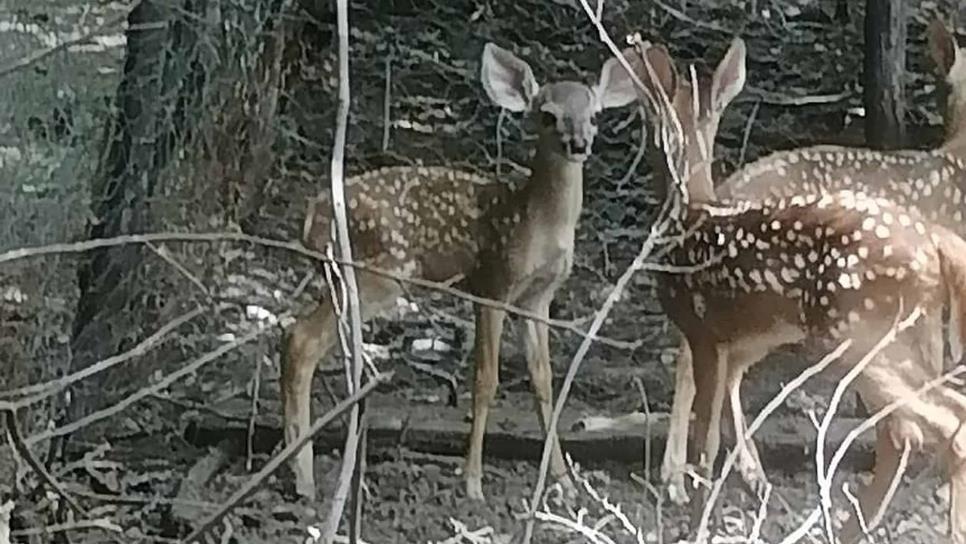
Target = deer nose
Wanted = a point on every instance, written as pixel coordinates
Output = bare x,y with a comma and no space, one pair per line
577,147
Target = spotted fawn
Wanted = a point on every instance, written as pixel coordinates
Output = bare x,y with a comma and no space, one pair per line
932,183
513,245
815,268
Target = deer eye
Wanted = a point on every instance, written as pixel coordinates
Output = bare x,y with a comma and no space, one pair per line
548,118
593,119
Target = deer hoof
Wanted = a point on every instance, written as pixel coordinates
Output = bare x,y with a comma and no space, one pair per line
474,489
676,491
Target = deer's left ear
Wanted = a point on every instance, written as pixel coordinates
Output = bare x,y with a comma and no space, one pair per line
616,88
729,76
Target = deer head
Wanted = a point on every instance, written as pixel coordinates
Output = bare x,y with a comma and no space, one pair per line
669,95
565,112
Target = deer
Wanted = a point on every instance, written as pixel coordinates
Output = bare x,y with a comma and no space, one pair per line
816,268
510,244
930,182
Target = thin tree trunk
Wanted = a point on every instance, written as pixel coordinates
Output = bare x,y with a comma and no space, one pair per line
885,67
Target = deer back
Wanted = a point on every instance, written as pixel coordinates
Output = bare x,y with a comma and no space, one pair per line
931,182
828,263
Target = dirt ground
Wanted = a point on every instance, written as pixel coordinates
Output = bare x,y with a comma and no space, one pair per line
140,463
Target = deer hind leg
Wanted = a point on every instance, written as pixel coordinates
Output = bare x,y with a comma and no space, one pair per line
957,491
890,461
537,341
486,360
956,462
710,368
749,462
957,502
676,446
311,339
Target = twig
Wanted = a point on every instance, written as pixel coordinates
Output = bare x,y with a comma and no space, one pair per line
387,104
161,252
250,441
856,508
632,169
283,456
679,15
893,486
38,56
354,432
10,420
163,383
98,243
647,427
747,132
52,387
78,525
761,515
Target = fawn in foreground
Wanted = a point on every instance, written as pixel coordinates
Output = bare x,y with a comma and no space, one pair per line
509,244
931,182
814,268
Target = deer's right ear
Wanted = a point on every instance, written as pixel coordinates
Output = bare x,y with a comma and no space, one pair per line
507,79
729,76
942,47
662,76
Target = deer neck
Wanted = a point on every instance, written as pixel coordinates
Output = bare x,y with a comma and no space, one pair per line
697,180
955,142
556,187
695,173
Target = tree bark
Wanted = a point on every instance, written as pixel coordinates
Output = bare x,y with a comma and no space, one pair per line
157,91
885,66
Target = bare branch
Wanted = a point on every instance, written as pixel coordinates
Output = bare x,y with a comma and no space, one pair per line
441,287
52,387
163,383
10,420
354,432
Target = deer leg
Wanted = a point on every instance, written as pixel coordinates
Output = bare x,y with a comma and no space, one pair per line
486,358
957,496
309,340
676,446
749,462
537,342
710,368
889,459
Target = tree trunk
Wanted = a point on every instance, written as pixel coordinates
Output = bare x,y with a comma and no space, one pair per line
885,66
193,129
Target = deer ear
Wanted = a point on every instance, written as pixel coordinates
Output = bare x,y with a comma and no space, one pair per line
616,88
942,47
729,76
507,79
662,76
